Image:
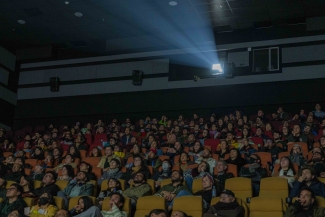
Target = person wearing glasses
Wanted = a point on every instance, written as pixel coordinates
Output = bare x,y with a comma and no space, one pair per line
13,201
226,207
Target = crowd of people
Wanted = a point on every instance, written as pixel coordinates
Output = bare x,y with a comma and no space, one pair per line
176,151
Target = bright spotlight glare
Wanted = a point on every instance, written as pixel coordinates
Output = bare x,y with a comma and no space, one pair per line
217,67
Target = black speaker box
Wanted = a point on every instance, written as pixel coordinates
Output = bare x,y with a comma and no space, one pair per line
54,84
137,77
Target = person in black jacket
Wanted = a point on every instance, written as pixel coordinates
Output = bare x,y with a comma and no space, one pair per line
48,185
235,158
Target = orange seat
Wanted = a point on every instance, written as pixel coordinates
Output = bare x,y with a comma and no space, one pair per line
277,167
265,156
98,172
283,154
75,171
92,160
32,162
163,157
6,154
83,153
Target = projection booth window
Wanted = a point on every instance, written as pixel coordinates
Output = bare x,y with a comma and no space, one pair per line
266,59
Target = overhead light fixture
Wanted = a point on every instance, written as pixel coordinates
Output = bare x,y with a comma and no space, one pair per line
66,2
217,68
78,14
173,3
21,22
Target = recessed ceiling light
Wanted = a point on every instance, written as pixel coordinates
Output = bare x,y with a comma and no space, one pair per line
21,21
78,14
172,3
66,2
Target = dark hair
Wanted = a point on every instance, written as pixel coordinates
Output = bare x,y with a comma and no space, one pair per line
50,196
118,187
88,165
238,153
70,170
122,199
19,188
87,178
116,161
88,202
180,154
207,169
54,174
99,152
72,157
110,146
30,182
290,164
180,172
21,158
77,152
311,192
184,214
4,182
311,169
157,212
144,176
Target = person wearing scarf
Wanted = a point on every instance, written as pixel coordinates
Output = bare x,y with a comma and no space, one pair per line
226,207
113,172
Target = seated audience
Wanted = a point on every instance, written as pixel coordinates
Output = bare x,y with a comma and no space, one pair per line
184,161
224,149
173,190
139,188
38,154
196,173
172,151
270,147
305,205
87,168
165,173
62,213
74,152
308,178
16,174
236,158
114,185
38,173
138,165
179,214
227,206
318,164
67,173
157,213
153,160
297,135
77,187
48,185
113,172
27,184
196,151
45,207
68,160
57,156
109,155
206,192
207,157
296,155
255,172
222,175
286,170
3,189
95,152
84,203
13,201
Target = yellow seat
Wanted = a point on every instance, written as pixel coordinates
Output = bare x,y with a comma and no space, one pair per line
239,201
191,205
266,207
321,179
104,185
242,187
62,184
59,202
29,201
146,204
94,182
126,207
152,184
37,184
74,201
1,199
197,185
10,183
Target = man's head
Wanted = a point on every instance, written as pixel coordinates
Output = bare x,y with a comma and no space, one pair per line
82,177
84,166
227,196
49,178
109,151
233,153
177,176
307,129
296,149
221,166
191,138
38,169
68,159
207,182
230,136
206,153
17,168
276,135
317,157
3,183
296,129
260,113
127,131
269,143
114,163
15,190
62,213
308,173
139,178
19,160
306,198
117,199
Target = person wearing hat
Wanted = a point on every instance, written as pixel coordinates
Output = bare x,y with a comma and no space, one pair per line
296,155
77,187
226,207
153,160
305,205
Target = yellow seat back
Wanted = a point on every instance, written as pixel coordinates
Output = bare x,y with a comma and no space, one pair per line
197,185
10,183
242,187
62,184
274,187
59,202
74,201
37,184
191,205
146,204
29,201
266,207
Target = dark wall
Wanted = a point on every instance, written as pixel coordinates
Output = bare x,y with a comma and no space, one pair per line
293,95
7,112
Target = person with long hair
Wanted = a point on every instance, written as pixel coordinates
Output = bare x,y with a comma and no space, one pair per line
138,165
27,184
84,203
45,207
191,174
73,151
38,154
67,173
196,151
114,185
286,170
95,152
158,213
184,161
224,149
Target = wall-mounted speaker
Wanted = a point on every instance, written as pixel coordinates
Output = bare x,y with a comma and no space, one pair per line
137,77
54,84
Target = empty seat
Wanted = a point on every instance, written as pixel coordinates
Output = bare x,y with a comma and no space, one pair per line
266,207
59,202
191,205
242,187
92,160
62,184
146,204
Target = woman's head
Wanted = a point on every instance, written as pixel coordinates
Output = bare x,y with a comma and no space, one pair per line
72,150
197,147
38,151
114,183
114,163
184,158
153,145
26,181
137,161
68,159
158,213
136,149
68,170
286,163
223,144
203,167
85,203
177,145
95,152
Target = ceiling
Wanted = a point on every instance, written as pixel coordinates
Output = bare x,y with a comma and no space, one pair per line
124,25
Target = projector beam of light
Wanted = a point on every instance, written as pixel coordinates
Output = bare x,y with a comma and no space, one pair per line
218,68
178,27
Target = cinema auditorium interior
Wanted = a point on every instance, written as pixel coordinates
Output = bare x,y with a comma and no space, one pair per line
162,108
